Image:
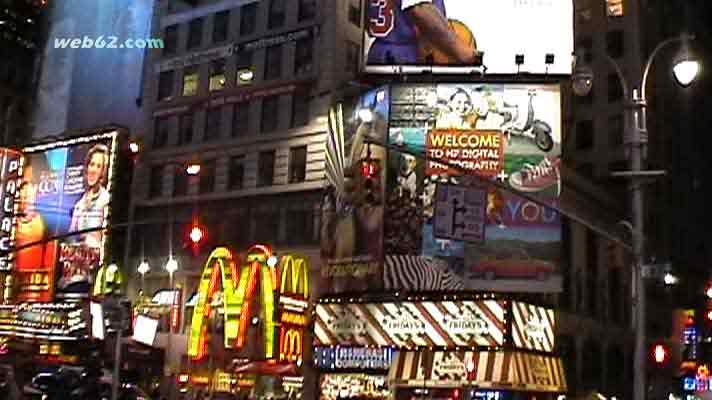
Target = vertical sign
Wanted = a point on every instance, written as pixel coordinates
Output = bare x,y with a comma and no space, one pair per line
11,165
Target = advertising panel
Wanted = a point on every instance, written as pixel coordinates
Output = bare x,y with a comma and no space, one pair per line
353,358
412,324
500,143
66,188
353,204
353,386
533,327
458,36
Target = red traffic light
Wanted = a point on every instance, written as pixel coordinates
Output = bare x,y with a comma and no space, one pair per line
369,169
196,234
660,353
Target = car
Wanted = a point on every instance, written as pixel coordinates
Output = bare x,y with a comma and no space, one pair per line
512,267
62,382
128,391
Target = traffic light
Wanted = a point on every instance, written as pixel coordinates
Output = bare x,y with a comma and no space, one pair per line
660,354
195,237
369,173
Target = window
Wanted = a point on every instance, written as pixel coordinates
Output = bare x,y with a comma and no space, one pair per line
265,168
180,182
307,9
185,129
248,18
221,24
273,62
297,164
300,226
190,81
236,175
266,225
277,14
355,12
615,131
615,90
195,33
245,71
241,119
217,75
213,118
165,85
304,56
614,8
352,56
207,176
584,135
615,43
170,40
160,132
270,114
300,110
155,188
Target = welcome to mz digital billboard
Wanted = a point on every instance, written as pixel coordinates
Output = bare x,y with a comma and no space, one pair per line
459,36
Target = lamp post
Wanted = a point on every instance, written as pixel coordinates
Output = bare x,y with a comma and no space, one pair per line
636,139
143,269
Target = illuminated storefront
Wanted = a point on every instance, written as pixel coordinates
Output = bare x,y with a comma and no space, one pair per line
247,333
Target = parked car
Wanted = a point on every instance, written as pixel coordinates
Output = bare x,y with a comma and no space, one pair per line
61,382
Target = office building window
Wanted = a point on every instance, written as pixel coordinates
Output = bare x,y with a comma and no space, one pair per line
584,135
190,81
615,43
221,26
615,90
160,132
304,56
245,70
300,226
297,164
241,119
248,18
270,114
355,12
352,56
207,176
265,168
277,14
165,85
217,75
195,33
185,129
273,62
180,182
213,117
615,130
170,40
614,8
236,174
155,184
307,9
300,109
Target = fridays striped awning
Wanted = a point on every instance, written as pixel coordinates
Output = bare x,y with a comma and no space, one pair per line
533,327
502,370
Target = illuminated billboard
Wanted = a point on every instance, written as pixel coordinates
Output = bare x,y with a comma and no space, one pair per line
473,188
459,36
353,203
65,194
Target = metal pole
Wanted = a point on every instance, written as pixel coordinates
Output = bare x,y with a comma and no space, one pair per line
637,125
169,346
117,363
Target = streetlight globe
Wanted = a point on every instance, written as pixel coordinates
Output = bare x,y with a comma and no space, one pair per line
193,169
686,71
143,267
670,279
172,265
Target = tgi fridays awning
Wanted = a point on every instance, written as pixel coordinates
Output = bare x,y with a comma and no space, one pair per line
504,370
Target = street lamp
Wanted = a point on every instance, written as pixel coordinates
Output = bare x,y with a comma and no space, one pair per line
143,269
685,71
171,267
192,169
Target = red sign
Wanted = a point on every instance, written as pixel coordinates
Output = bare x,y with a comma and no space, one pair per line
480,152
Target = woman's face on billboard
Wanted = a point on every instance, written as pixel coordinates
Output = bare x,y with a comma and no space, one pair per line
95,169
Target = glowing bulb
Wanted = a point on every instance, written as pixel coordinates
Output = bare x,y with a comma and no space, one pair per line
143,267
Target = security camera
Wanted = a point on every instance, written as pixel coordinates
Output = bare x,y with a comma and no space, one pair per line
582,80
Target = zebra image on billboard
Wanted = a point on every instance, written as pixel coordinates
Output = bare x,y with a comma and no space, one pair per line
472,197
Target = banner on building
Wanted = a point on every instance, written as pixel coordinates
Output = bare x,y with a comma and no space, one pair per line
475,35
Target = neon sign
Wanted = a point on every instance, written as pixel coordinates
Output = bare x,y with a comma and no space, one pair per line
283,291
11,165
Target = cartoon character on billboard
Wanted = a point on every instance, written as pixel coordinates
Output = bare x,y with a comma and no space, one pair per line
417,32
91,209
